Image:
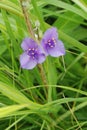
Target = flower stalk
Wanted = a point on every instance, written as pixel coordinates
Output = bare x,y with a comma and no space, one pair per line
31,32
24,4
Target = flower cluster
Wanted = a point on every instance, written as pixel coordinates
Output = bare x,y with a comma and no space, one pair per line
36,54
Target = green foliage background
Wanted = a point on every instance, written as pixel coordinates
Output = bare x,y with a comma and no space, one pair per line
24,102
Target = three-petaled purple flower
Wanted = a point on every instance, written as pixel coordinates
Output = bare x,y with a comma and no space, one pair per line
33,54
51,45
36,54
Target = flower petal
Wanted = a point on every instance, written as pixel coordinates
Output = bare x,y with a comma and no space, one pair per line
31,64
44,48
41,54
40,49
49,34
26,62
28,43
41,58
58,50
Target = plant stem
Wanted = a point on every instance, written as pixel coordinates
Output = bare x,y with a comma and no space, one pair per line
26,16
42,73
30,30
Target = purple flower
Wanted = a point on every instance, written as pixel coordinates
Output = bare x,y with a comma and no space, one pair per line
33,54
50,43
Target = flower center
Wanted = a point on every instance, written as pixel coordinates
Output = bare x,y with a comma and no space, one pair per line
51,43
32,52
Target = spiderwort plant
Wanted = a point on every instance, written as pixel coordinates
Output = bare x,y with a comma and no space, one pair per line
33,54
51,45
36,54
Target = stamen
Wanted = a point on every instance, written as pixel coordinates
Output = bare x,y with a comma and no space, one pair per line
32,53
53,39
49,43
33,49
51,46
29,49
